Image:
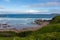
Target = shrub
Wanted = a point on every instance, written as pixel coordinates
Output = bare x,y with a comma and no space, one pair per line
24,34
7,34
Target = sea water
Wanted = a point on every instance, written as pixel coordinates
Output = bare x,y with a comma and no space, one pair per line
20,21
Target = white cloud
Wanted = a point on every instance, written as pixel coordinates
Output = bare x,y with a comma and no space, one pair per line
6,0
1,7
24,11
47,4
55,11
24,6
3,11
32,11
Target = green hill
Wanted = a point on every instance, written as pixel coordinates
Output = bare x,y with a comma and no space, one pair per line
55,19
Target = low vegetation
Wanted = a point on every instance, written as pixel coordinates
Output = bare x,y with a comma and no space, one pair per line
7,34
55,20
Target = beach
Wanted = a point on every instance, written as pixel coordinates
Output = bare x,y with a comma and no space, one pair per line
26,29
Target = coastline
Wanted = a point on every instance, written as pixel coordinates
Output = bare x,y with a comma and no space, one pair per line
26,29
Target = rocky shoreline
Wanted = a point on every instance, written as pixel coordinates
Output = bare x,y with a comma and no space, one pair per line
25,29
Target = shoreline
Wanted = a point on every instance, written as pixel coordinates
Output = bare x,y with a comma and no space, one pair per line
26,29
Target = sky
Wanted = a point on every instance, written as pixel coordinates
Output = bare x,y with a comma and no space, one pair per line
30,6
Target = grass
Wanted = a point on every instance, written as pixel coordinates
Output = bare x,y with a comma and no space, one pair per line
6,38
55,20
49,28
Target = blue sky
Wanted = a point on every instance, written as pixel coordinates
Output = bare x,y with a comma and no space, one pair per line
30,6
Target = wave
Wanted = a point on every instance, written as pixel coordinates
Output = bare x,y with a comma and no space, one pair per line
20,20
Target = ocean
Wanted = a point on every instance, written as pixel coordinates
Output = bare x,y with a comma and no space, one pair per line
20,21
23,18
27,15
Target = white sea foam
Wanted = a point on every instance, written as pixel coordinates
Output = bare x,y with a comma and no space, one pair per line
20,20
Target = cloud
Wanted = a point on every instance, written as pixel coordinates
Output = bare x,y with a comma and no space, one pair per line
1,7
47,4
6,0
24,11
55,11
29,11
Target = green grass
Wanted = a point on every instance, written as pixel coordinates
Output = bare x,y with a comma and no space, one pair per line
49,28
55,20
6,38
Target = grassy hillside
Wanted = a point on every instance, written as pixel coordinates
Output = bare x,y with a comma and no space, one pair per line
49,32
55,20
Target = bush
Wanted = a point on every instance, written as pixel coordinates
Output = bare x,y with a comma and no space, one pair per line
48,36
7,34
24,34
